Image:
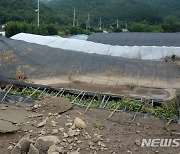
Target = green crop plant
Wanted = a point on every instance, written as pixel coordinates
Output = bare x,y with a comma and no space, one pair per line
123,104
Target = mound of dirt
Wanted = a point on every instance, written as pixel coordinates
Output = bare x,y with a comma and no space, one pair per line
56,105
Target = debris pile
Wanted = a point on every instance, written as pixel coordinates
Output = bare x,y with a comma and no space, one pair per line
68,142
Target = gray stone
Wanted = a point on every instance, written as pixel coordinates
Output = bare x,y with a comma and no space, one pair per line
8,127
54,131
71,132
24,143
16,150
55,149
43,143
96,138
79,123
74,152
52,149
33,150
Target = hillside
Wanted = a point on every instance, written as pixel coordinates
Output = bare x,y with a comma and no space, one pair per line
24,10
148,11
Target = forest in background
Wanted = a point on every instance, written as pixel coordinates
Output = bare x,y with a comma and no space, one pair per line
56,16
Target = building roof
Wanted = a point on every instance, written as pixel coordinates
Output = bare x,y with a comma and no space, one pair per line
137,39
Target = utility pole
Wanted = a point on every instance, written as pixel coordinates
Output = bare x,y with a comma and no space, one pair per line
117,23
89,21
86,24
77,22
126,26
74,18
38,14
100,24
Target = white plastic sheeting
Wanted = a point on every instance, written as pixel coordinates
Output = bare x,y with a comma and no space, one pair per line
140,52
79,37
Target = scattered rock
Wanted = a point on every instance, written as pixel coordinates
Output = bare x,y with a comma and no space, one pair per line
54,123
71,147
53,149
137,132
43,143
65,135
43,132
42,123
17,149
70,140
61,130
73,126
35,106
138,143
55,131
100,143
79,142
91,143
92,147
4,108
138,124
96,138
22,146
74,152
36,115
71,132
59,149
79,123
69,124
24,143
33,150
8,127
77,133
129,152
10,147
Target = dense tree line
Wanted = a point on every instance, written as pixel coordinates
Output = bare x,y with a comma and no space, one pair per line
140,15
25,10
142,11
13,28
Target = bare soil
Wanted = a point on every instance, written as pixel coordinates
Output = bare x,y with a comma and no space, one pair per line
112,80
120,133
7,56
119,89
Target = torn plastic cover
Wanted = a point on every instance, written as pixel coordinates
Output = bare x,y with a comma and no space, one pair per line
37,61
11,98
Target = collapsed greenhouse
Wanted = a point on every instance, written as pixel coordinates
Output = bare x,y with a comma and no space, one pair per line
38,65
129,47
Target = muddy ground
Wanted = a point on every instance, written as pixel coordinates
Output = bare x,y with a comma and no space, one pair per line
122,133
129,89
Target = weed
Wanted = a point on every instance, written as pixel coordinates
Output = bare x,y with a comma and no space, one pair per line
97,126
